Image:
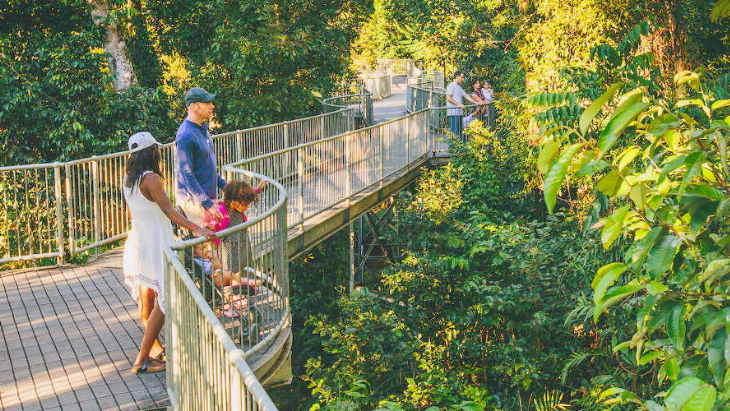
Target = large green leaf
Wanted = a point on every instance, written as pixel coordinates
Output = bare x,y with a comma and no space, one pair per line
642,247
556,175
715,268
681,392
613,296
605,277
693,163
613,226
662,255
548,151
611,183
676,327
595,107
702,400
621,118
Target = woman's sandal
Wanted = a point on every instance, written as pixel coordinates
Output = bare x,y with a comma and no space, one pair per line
161,357
145,368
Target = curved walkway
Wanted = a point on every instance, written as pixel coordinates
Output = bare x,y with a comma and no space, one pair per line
68,336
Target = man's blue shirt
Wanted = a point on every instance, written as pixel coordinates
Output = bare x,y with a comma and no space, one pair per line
195,169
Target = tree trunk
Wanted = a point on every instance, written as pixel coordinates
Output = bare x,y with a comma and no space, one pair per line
114,46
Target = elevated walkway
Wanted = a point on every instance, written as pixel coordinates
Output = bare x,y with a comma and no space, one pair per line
322,175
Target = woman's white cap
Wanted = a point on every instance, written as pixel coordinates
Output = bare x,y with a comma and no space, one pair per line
141,140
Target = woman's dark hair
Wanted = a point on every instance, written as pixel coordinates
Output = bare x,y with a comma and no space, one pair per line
473,82
147,159
239,191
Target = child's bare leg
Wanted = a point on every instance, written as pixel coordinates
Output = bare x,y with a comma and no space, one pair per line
147,298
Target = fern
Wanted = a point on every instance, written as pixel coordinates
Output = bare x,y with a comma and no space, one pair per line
574,361
550,401
550,99
562,115
633,38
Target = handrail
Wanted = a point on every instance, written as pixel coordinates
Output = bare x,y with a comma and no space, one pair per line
343,166
87,192
258,321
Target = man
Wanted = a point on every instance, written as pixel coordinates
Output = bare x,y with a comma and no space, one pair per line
197,176
455,96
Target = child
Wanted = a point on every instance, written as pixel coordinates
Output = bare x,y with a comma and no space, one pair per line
234,251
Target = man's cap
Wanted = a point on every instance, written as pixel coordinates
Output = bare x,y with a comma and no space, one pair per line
140,141
197,94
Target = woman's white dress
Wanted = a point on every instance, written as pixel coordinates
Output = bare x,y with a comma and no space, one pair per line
151,231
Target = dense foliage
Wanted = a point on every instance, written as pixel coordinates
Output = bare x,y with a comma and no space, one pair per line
619,299
267,61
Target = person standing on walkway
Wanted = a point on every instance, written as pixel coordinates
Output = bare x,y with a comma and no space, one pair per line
151,212
488,94
455,96
197,177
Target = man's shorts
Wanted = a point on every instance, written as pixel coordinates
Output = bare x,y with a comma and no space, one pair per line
193,211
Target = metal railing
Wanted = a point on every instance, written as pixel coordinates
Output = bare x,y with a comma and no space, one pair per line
361,104
422,94
86,193
327,172
379,84
206,322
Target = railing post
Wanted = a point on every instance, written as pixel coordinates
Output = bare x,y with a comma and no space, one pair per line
71,211
382,154
286,134
97,209
408,143
236,392
348,170
300,172
59,212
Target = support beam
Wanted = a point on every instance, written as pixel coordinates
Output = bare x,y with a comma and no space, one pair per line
376,235
352,256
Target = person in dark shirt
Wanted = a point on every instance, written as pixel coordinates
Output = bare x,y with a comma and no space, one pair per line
195,168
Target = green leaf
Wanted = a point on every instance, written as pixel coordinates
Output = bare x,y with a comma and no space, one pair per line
592,167
714,268
648,357
587,117
613,226
681,391
621,118
656,288
702,400
605,277
672,368
720,104
704,190
613,296
638,196
716,356
693,164
610,184
556,175
547,153
642,247
627,156
661,255
676,327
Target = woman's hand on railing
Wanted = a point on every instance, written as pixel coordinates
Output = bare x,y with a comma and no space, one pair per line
199,231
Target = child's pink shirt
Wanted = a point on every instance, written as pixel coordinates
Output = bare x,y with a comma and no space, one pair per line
220,225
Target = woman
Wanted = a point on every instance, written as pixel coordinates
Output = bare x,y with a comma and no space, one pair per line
151,213
476,95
